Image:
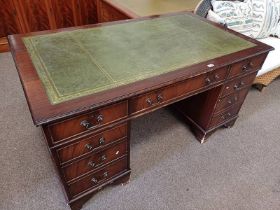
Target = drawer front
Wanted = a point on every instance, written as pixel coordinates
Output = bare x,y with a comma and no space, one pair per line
87,122
95,161
156,98
95,179
246,66
226,115
238,84
226,102
91,143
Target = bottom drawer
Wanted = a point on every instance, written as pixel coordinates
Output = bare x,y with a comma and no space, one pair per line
226,115
81,167
95,179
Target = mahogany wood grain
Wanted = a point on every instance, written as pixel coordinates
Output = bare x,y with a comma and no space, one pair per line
91,143
110,11
84,166
65,13
35,14
88,11
200,107
107,13
228,101
98,178
63,130
9,20
247,66
44,112
4,45
199,86
227,114
155,98
238,84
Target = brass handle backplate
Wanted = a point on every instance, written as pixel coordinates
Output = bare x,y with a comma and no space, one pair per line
247,67
92,164
95,180
101,142
159,98
239,85
88,125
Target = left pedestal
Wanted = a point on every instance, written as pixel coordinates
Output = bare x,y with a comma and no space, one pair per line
90,151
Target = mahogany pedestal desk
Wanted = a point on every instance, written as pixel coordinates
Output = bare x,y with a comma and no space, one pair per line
85,84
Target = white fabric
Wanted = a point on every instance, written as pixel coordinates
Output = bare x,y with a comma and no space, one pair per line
237,15
215,18
273,59
254,18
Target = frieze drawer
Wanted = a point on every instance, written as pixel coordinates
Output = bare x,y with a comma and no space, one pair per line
95,161
61,131
157,97
246,66
91,143
94,180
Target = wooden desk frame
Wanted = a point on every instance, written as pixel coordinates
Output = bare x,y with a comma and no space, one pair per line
217,93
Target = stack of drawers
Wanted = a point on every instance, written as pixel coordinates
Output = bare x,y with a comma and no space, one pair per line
233,93
90,150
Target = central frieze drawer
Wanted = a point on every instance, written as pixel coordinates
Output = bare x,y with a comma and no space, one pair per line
95,161
94,180
172,92
87,122
91,144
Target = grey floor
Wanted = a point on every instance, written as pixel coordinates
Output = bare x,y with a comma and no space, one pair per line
238,168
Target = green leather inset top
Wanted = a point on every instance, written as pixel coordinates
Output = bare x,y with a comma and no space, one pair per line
157,7
86,61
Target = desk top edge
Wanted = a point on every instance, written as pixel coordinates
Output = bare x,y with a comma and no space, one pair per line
90,102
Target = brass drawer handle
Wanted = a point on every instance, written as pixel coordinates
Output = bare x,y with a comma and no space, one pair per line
95,180
89,125
92,164
86,124
239,85
99,118
208,80
232,100
226,116
217,76
89,146
160,98
101,142
229,101
149,101
247,67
